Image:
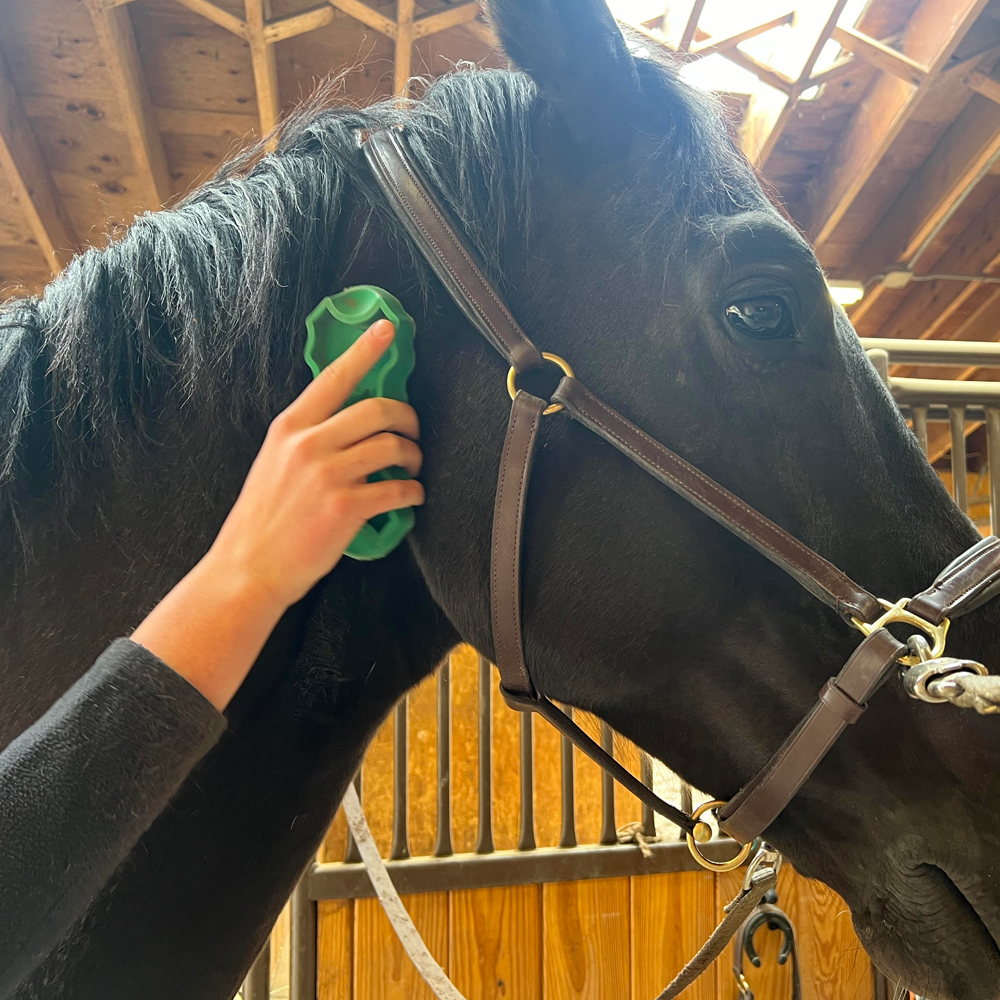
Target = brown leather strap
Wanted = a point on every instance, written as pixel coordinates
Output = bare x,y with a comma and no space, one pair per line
843,698
453,262
508,523
963,585
505,600
819,577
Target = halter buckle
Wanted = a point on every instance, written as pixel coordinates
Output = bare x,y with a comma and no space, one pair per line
897,613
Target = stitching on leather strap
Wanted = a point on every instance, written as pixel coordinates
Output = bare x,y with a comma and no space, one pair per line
442,256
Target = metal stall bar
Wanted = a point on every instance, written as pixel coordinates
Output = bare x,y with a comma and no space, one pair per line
400,744
526,839
302,940
939,353
608,826
567,835
443,846
918,413
352,856
993,464
484,837
646,777
959,482
257,985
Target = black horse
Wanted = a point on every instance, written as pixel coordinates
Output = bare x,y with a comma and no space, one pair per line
606,198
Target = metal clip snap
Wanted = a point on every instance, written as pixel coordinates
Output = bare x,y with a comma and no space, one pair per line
919,678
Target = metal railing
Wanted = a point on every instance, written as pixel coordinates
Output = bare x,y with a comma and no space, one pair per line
961,404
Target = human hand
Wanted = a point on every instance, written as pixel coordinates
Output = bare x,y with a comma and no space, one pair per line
306,495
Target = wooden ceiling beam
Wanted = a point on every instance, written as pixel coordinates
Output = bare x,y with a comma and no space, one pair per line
450,17
687,36
265,67
291,25
768,130
766,74
843,66
23,166
879,55
934,31
483,32
363,13
280,28
403,66
983,84
962,155
217,16
114,31
731,41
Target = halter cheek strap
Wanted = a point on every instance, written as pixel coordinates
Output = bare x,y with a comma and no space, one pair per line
965,584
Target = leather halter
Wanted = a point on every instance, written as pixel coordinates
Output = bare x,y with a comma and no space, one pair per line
965,584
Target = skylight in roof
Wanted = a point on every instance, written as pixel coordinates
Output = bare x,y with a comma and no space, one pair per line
785,48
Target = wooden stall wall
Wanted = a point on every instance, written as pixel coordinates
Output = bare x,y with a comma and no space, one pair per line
602,939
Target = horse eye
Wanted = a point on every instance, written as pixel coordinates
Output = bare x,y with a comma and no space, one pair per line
765,318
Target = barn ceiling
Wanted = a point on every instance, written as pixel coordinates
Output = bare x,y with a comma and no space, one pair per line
877,125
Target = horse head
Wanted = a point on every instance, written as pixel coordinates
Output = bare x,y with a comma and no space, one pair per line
649,257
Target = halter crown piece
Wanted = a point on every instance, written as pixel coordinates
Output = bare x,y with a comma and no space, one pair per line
968,582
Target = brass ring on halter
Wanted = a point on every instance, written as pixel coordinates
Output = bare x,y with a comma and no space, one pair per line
703,834
897,612
556,360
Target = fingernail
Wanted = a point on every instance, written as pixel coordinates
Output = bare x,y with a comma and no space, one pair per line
382,330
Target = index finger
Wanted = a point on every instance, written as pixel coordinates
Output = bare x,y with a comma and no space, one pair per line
328,392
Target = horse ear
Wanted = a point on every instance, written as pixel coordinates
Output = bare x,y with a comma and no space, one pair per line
577,56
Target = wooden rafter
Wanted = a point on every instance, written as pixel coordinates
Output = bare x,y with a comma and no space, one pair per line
934,32
363,13
22,164
766,74
265,67
450,17
404,47
483,32
960,158
217,16
983,84
880,55
724,45
114,30
766,143
687,37
291,25
843,66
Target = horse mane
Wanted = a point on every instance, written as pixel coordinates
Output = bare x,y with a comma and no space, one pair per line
204,303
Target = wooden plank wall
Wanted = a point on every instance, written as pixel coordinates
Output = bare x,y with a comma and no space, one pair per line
604,939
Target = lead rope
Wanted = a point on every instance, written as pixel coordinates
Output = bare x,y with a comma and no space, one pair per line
761,877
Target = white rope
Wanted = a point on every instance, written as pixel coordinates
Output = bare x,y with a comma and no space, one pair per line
968,690
435,977
409,937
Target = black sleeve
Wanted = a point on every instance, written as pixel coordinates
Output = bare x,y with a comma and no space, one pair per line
80,787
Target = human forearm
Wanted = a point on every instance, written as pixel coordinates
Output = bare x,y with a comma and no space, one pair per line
212,625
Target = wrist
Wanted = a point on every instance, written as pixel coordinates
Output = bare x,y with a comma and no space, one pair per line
226,574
